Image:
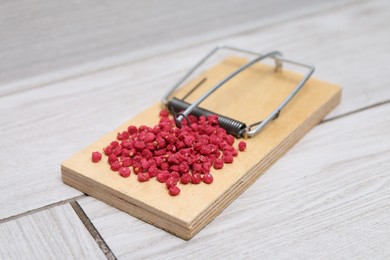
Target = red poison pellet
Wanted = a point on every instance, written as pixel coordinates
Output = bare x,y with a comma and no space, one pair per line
96,157
172,156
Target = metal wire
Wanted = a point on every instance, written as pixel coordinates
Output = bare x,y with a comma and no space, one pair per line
232,126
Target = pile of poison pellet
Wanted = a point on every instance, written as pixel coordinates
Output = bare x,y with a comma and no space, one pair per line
172,155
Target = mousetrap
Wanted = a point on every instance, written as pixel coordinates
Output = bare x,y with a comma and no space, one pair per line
269,106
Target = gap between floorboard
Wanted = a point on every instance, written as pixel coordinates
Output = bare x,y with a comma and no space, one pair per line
356,111
92,230
26,213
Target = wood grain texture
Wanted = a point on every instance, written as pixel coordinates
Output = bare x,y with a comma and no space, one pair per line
197,205
345,219
32,123
332,40
47,40
328,197
56,233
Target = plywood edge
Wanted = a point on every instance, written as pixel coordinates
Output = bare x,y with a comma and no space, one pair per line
114,198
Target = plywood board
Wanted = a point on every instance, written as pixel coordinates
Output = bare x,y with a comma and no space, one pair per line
249,97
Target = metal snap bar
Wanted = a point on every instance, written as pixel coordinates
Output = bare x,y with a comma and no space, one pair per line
181,109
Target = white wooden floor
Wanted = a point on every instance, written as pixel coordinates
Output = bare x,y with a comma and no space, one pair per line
67,68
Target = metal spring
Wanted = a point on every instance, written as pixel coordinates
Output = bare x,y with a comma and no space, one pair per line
231,126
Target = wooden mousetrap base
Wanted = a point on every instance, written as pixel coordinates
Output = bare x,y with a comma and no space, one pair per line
249,97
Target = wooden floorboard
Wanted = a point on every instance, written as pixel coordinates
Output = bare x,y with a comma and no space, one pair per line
43,40
56,233
44,126
327,197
